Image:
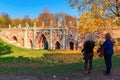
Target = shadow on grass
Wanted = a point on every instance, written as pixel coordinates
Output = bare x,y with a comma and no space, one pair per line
37,66
50,64
54,65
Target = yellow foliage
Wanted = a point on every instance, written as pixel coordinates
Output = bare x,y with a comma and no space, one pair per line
90,23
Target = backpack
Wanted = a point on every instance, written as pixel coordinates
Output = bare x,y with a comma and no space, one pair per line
88,47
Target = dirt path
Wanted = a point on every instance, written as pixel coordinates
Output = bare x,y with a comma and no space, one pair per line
95,75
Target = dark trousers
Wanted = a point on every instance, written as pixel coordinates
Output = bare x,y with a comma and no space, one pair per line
108,62
88,62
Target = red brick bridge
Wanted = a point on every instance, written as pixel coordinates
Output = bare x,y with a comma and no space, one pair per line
49,38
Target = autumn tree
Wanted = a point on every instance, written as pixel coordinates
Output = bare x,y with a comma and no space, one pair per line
70,20
90,24
93,20
32,22
15,22
47,19
64,19
5,20
0,21
110,6
25,20
113,6
95,13
60,18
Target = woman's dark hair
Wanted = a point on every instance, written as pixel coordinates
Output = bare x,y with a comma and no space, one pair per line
108,36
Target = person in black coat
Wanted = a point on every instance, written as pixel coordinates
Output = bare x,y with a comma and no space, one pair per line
88,54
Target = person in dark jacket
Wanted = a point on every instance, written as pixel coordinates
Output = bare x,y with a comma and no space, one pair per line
88,54
108,52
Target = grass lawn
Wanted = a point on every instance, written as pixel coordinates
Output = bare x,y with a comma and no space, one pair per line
26,61
24,52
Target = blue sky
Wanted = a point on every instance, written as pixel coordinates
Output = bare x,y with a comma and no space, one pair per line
32,8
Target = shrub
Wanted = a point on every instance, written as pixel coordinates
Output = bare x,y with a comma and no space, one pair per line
4,49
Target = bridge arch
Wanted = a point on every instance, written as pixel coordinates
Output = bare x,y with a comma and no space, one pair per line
40,38
42,41
31,43
57,45
14,38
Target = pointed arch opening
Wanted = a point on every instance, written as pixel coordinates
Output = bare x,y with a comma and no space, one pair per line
43,43
15,38
31,43
57,45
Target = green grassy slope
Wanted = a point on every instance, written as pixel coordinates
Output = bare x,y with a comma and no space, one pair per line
24,52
